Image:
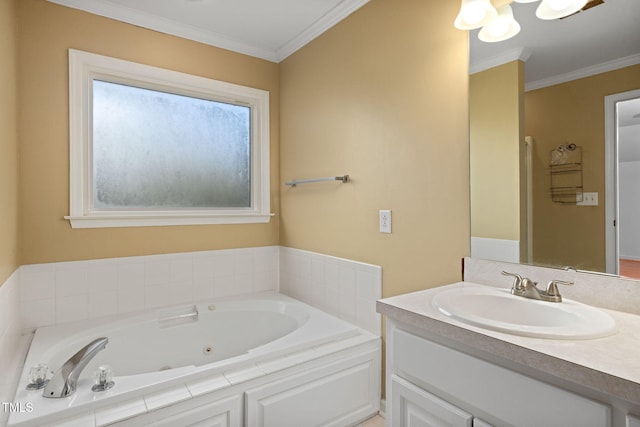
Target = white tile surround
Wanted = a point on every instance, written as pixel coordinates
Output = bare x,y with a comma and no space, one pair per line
12,344
47,294
70,291
344,288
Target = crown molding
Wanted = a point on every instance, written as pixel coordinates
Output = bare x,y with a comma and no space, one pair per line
584,72
520,53
167,26
331,18
212,38
523,54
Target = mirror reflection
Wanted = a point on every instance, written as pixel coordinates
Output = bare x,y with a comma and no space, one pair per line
558,84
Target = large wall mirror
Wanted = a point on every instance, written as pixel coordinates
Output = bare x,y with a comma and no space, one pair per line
555,140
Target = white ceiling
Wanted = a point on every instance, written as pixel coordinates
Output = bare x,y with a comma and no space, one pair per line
595,40
607,34
267,29
592,41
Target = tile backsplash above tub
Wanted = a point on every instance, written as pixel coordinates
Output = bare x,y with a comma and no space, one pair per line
62,292
69,291
345,288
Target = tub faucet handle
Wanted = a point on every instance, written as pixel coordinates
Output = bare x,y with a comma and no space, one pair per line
38,376
103,378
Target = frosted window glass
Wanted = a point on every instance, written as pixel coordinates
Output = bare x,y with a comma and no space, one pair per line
156,150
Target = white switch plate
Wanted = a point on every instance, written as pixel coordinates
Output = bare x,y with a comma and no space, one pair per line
588,199
385,221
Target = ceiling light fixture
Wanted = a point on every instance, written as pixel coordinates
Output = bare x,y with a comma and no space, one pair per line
496,16
475,14
556,9
503,27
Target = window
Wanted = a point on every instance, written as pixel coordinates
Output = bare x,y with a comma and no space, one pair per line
151,146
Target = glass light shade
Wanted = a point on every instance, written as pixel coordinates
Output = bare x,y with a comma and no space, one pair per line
475,14
502,28
555,9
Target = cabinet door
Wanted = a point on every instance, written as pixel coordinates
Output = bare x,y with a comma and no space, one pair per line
509,396
222,413
335,395
415,407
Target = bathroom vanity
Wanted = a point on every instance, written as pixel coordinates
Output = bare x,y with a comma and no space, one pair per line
441,371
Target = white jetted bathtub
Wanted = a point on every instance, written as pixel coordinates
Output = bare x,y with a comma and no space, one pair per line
262,360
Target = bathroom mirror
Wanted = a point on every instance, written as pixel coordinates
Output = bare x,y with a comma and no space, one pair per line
547,85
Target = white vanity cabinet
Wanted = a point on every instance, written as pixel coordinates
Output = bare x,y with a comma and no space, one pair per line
435,385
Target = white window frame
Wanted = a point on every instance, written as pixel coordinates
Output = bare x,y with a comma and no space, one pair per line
85,67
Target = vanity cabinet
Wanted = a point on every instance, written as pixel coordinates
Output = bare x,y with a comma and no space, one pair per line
432,384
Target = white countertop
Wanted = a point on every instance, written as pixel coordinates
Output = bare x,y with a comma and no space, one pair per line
610,364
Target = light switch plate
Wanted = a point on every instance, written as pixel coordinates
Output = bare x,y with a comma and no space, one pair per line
588,199
385,221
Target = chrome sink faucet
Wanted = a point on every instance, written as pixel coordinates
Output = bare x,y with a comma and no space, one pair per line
63,383
525,287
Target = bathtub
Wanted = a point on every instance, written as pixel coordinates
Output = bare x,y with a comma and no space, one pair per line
262,360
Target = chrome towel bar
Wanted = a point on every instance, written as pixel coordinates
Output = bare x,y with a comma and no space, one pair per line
343,178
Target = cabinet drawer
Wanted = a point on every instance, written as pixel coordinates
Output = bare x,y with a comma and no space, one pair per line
508,396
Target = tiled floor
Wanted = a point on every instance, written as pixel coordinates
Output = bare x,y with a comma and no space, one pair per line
376,421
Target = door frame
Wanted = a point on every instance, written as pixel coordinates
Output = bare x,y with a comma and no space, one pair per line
611,177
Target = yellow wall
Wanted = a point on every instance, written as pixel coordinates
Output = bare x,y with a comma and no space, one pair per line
572,112
9,243
46,32
382,96
495,104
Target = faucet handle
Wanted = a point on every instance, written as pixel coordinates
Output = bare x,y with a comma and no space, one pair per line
517,283
552,288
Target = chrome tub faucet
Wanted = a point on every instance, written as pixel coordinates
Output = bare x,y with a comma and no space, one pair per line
64,380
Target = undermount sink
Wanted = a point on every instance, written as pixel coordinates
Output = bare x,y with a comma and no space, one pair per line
498,310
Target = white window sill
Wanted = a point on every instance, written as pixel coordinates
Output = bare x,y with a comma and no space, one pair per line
111,220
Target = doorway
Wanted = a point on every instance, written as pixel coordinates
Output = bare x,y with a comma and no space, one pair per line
622,169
